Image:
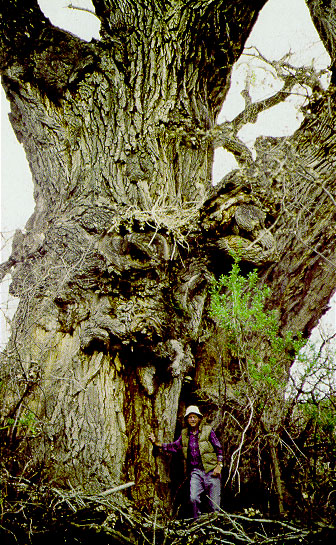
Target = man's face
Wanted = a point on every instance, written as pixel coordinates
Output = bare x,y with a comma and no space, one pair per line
193,421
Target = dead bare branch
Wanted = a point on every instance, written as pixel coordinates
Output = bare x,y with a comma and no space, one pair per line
80,8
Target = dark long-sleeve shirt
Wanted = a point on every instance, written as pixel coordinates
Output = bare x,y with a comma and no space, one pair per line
194,458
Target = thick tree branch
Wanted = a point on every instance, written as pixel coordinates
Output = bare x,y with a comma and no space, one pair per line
323,15
22,24
226,134
306,77
32,49
253,109
213,34
219,31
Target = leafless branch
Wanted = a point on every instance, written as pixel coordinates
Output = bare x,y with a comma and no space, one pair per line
79,8
235,458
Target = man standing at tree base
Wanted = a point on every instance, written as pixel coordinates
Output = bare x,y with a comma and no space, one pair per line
203,456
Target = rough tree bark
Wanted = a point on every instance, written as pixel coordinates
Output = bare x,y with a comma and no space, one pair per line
114,267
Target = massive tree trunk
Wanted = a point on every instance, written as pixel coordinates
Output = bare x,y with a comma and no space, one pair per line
114,268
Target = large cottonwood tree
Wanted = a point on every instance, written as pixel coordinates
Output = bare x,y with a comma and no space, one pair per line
114,268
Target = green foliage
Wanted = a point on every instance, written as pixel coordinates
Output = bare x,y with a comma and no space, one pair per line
323,414
27,422
253,332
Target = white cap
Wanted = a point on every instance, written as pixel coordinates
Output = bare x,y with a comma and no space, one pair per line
192,409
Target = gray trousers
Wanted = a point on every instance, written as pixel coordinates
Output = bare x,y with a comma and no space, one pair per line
204,482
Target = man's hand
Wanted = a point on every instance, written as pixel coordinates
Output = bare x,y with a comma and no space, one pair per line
154,441
218,469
